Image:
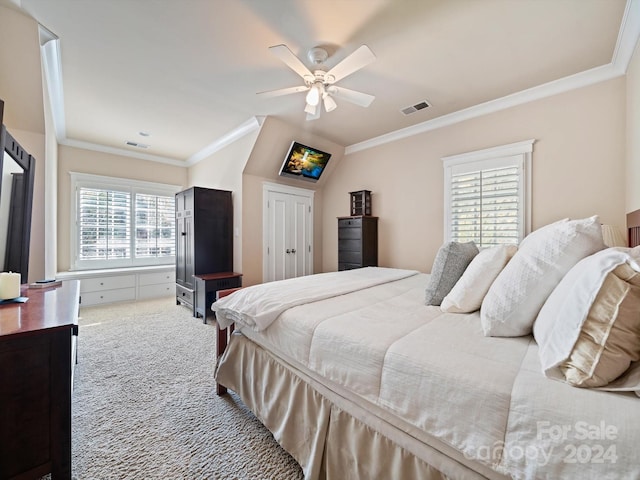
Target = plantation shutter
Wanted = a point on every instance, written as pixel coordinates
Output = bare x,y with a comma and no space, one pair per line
485,206
487,195
121,222
104,223
155,226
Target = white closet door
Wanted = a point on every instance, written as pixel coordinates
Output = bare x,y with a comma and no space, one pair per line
289,231
300,256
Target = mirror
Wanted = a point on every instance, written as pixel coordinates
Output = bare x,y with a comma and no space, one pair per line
16,198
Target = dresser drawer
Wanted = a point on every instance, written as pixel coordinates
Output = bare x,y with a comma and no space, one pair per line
347,233
349,222
349,245
350,257
108,283
156,278
348,266
184,295
108,296
157,290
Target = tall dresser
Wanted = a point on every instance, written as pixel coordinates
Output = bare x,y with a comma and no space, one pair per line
204,238
357,242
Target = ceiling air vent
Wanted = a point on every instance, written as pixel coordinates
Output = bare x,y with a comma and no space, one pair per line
136,144
414,108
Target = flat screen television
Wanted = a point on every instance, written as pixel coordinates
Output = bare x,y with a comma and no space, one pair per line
305,163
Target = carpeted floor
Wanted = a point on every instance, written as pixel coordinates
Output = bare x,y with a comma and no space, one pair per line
144,405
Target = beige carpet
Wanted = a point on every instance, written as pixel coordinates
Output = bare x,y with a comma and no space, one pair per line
144,405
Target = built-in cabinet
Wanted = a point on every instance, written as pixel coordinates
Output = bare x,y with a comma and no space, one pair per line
204,238
357,242
123,284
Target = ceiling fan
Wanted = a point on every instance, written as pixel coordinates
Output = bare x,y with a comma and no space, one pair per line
320,84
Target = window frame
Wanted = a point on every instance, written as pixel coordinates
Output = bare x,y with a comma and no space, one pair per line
514,154
84,180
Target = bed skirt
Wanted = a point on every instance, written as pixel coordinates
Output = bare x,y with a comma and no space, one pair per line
329,436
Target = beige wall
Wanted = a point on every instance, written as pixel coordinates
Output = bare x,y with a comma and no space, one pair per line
21,90
633,133
578,170
263,165
223,171
72,159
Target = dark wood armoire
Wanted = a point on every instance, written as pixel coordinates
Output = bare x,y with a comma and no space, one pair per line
204,238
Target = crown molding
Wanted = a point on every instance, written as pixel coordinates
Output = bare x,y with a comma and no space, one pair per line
625,46
120,151
247,127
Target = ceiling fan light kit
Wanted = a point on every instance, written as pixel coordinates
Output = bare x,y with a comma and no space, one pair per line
313,97
320,83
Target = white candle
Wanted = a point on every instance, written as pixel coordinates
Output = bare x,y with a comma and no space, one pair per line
9,285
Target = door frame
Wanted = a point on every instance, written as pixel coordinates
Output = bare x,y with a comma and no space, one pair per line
267,188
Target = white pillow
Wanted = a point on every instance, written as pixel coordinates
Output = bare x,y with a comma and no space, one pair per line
467,294
543,258
588,330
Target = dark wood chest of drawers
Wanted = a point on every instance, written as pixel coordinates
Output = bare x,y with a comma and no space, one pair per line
37,354
357,242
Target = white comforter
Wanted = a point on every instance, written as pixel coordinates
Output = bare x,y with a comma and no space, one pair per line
258,306
438,377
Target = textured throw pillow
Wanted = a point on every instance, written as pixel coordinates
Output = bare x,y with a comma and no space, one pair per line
467,294
588,331
450,263
543,258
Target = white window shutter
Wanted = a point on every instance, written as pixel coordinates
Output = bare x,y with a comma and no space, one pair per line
121,222
487,195
104,223
155,226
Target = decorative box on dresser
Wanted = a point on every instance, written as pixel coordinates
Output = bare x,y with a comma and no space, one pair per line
204,238
357,242
37,356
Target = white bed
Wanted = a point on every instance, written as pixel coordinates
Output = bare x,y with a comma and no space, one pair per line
374,384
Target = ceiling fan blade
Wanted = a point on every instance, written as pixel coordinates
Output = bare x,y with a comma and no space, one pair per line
283,91
362,57
359,98
293,62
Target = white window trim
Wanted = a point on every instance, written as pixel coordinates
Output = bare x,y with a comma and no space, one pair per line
488,158
80,180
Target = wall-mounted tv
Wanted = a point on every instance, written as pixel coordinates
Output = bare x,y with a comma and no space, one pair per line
305,163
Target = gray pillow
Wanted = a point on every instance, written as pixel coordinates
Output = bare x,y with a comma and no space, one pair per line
451,261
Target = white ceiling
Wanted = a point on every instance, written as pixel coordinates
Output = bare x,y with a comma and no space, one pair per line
187,71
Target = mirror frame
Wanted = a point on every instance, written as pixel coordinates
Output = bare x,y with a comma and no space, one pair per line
11,146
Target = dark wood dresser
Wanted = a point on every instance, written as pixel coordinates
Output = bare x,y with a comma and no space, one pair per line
357,242
37,355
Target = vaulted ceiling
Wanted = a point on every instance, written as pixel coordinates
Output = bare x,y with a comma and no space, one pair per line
186,72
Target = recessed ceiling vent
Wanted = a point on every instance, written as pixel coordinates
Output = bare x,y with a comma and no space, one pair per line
136,144
414,108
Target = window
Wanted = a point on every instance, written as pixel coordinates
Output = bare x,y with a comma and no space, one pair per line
120,222
487,195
